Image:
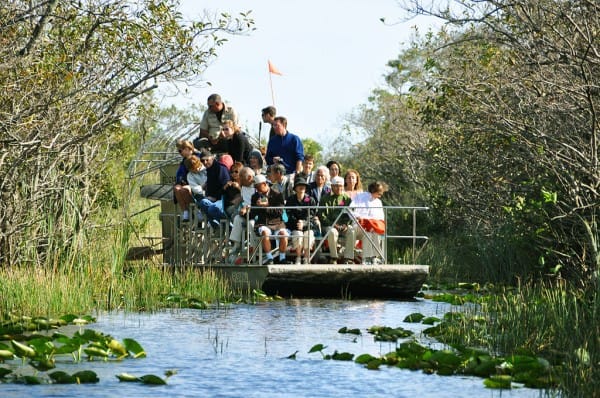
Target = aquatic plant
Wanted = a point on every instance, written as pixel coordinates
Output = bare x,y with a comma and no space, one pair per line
42,351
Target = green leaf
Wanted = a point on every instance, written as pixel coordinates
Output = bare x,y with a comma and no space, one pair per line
342,356
152,379
126,377
86,376
22,350
414,317
364,359
4,372
60,377
134,347
501,381
317,348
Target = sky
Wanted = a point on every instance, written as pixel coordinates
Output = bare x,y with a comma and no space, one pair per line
332,54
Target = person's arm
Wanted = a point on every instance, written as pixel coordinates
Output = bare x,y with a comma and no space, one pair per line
269,154
299,155
204,125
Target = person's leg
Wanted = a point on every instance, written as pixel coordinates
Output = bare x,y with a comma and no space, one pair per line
309,242
237,230
183,195
332,239
297,244
350,237
283,243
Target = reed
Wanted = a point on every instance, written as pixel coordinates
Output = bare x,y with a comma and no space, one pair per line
91,274
550,320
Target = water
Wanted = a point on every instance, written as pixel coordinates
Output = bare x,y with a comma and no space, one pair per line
242,351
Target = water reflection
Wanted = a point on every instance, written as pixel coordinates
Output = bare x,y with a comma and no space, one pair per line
242,350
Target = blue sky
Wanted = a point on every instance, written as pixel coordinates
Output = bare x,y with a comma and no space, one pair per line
332,54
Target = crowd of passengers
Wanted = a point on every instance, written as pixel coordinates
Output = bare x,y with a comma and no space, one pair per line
285,196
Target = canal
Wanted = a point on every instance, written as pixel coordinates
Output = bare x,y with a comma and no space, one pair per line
242,351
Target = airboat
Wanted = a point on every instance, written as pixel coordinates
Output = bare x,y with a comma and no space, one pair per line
168,241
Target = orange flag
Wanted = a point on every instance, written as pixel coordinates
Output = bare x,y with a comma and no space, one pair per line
274,70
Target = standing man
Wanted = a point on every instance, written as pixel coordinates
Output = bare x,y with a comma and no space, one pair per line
215,115
268,115
285,148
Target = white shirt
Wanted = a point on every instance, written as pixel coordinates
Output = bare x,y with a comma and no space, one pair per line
365,206
247,193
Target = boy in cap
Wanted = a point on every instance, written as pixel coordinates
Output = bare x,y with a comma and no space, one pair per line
303,237
268,221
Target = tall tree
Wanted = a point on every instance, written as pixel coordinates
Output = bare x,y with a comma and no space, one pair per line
70,71
513,116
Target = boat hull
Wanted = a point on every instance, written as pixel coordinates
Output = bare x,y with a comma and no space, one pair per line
390,281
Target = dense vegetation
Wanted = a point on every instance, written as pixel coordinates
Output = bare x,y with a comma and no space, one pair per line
72,73
492,122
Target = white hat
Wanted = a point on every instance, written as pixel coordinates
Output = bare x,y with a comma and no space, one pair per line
259,179
337,181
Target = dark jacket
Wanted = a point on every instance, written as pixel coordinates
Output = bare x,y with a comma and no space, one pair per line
317,193
216,178
269,217
295,215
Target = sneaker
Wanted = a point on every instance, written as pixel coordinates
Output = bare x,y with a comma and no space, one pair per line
186,216
333,261
348,261
306,260
298,260
376,260
267,261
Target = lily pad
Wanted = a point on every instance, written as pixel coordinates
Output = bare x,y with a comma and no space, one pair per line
500,382
317,348
152,379
134,347
414,317
126,377
86,376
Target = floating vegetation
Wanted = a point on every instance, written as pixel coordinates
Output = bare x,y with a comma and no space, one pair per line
386,333
28,358
349,331
146,379
502,372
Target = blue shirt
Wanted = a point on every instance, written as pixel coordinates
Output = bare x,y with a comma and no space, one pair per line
289,148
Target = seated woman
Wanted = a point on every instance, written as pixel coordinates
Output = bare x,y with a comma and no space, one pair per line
238,145
334,168
352,183
196,178
303,237
182,193
232,191
368,211
256,162
268,221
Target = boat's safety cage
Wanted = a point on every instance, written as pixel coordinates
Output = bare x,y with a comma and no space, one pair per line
198,242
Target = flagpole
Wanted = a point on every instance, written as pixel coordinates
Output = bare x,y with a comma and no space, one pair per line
271,85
